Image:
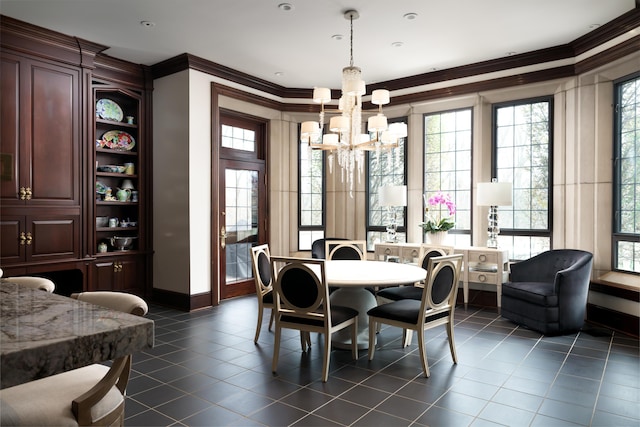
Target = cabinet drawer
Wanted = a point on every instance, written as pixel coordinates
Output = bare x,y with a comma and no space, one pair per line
483,257
382,252
411,254
482,277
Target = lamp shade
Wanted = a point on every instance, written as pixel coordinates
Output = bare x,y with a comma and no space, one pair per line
321,95
377,123
380,97
393,195
494,194
339,124
309,128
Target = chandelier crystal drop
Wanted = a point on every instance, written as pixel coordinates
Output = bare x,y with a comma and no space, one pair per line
344,139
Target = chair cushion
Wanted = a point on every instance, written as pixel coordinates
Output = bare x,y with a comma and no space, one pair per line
119,301
539,293
47,401
33,282
339,314
397,293
405,311
268,298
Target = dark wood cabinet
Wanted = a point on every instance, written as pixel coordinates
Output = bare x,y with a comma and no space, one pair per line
49,86
121,273
41,156
40,133
39,237
119,173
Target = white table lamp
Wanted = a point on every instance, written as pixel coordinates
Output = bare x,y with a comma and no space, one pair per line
494,194
392,196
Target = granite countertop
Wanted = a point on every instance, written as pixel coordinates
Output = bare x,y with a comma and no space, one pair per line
43,334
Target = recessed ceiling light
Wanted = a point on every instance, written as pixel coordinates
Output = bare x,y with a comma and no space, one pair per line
594,26
511,53
410,16
285,6
337,36
279,73
397,44
147,24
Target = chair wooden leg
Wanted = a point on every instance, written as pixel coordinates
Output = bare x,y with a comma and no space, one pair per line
308,337
372,337
452,342
259,325
304,340
271,319
407,334
276,349
326,356
423,353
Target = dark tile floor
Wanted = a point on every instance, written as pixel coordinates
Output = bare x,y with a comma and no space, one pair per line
205,370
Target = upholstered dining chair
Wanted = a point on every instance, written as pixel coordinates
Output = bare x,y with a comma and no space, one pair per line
34,282
318,247
261,258
397,293
302,303
436,308
346,249
92,395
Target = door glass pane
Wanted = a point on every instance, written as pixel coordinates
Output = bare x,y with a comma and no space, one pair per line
241,222
238,138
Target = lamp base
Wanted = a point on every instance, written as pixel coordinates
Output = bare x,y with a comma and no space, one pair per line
392,227
493,230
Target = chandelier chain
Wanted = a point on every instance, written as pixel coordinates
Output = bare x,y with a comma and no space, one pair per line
351,42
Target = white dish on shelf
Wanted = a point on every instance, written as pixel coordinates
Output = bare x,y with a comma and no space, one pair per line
109,110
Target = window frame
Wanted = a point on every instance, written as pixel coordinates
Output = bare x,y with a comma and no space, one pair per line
455,230
521,232
311,228
401,228
616,235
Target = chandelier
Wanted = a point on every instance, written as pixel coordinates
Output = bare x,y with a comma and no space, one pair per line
344,138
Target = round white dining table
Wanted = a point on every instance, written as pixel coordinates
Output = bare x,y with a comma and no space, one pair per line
352,277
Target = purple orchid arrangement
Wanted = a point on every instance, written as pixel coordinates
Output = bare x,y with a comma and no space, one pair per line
434,224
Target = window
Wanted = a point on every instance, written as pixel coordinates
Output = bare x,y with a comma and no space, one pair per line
238,138
626,227
522,155
386,167
311,217
447,165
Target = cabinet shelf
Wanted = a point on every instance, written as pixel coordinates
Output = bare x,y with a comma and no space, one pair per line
116,175
115,203
114,123
116,152
112,229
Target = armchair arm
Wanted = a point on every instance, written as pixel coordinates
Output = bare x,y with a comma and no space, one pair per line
531,270
574,280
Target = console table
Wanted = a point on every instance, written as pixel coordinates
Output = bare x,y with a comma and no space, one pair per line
480,265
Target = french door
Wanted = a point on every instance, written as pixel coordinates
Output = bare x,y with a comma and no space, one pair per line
242,203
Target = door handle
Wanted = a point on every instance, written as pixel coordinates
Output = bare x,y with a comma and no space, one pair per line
223,237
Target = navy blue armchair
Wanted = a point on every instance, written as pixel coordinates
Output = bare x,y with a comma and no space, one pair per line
548,293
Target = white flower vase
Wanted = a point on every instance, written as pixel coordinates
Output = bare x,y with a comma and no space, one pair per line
437,238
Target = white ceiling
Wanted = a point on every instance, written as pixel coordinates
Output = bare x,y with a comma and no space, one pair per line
295,48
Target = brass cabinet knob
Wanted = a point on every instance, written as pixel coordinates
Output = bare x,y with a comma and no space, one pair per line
23,238
23,193
29,238
28,193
